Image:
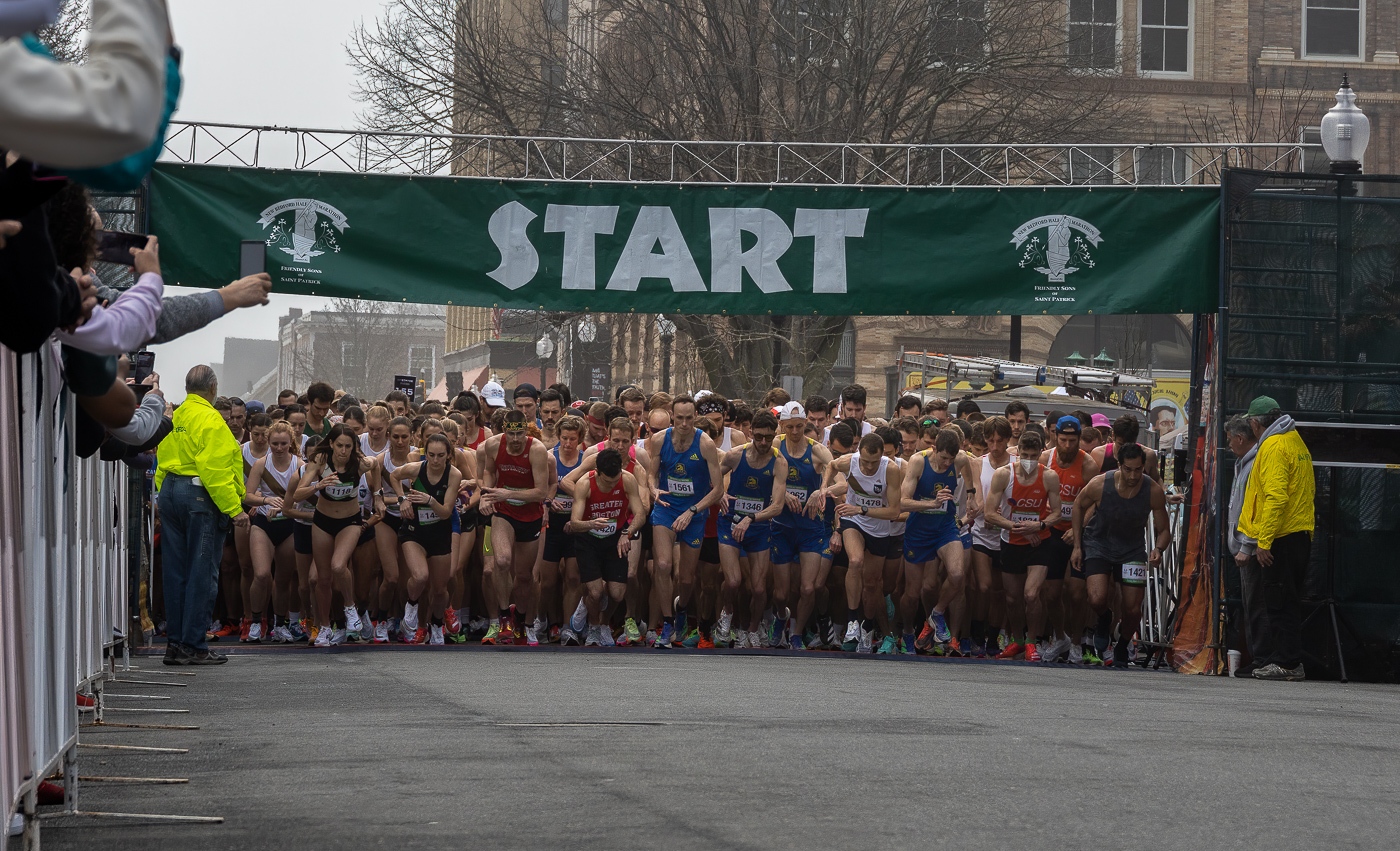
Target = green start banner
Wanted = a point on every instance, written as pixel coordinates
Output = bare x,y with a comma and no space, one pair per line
695,249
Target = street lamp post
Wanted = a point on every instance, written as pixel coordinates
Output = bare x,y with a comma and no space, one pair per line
667,329
1345,132
544,347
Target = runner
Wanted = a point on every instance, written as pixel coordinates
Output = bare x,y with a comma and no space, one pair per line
386,534
1074,467
608,498
1113,547
932,539
988,601
558,550
269,481
801,535
1125,432
514,479
253,451
425,532
1026,496
683,472
333,474
376,437
757,493
1018,415
870,505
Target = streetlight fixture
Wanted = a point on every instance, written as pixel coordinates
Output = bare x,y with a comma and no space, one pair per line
544,347
1345,132
667,329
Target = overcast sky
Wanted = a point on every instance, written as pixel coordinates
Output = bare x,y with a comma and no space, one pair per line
260,62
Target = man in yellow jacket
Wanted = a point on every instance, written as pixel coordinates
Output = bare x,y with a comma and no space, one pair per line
1277,512
199,476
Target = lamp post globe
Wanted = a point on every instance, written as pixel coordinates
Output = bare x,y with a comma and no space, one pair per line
1345,132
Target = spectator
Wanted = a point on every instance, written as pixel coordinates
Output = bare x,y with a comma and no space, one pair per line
201,488
1243,444
1277,512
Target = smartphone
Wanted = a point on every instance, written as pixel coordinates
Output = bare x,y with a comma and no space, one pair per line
252,257
143,363
114,246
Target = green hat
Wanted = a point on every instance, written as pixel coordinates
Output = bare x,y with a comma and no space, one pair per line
1261,406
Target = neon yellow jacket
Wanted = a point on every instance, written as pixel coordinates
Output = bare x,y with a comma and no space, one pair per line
1278,500
201,445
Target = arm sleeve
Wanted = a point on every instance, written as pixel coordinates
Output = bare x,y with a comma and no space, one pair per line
1273,494
143,423
182,314
124,325
220,466
95,113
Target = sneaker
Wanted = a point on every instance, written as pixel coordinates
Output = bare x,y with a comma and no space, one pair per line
650,638
477,626
663,639
723,627
795,643
1032,652
567,637
1012,651
338,636
366,626
592,639
457,637
243,627
680,617
532,635
410,618
1132,652
420,636
976,649
1120,654
298,631
579,619
939,623
692,639
1057,648
852,637
706,643
812,641
207,657
906,644
507,634
1090,657
352,620
323,637
954,648
450,620
1107,656
605,636
312,632
224,631
740,639
1003,640
887,646
435,636
833,637
924,643
281,635
493,632
381,632
778,627
255,632
395,628
1076,654
553,637
631,635
867,641
1294,675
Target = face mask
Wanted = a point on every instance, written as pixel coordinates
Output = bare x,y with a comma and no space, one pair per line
1029,465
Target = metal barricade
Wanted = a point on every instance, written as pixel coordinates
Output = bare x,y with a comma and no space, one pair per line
1163,589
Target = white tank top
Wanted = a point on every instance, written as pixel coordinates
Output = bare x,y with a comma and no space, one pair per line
868,492
281,477
365,447
987,536
249,459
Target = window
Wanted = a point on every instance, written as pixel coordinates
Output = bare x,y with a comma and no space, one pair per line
1162,166
422,363
1093,34
1315,160
1091,165
957,33
1166,36
1332,28
556,13
354,360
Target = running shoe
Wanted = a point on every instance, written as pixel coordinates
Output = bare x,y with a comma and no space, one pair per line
255,632
451,621
1090,657
706,643
740,639
244,626
410,618
323,638
366,626
338,636
1120,654
1003,640
593,639
298,631
1012,651
507,635
1057,648
493,632
1076,654
924,643
281,635
976,649
630,633
420,636
939,623
224,631
756,641
852,637
313,632
605,636
381,632
867,641
811,641
1032,652
887,646
765,627
395,627
722,628
532,636
567,637
833,636
663,639
352,619
435,636
692,639
795,642
1132,652
680,618
1107,656
954,648
477,626
906,644
779,626
458,638
650,639
579,620
553,634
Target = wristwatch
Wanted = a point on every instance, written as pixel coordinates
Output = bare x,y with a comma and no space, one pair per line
694,509
864,510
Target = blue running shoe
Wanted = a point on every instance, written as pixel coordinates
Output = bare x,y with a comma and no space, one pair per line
775,633
795,643
667,633
941,633
680,616
906,644
692,639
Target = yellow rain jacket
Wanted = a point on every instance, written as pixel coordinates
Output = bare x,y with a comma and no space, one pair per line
1278,500
202,445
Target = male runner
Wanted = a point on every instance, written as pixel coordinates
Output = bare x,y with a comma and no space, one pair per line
1075,468
1112,548
1025,496
757,493
1125,432
683,472
558,544
608,497
801,535
1018,415
515,478
932,538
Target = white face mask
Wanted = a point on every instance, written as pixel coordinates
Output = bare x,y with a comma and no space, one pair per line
1028,466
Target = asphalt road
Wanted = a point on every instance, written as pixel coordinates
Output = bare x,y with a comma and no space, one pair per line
494,748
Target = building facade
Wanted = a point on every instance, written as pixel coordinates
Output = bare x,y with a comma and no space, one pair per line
359,346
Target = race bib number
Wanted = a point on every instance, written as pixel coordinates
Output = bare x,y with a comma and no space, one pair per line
799,493
680,487
607,531
515,501
427,515
942,509
1024,517
565,503
1135,573
744,505
341,491
1066,510
866,500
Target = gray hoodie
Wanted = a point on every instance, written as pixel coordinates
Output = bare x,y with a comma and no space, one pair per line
1240,542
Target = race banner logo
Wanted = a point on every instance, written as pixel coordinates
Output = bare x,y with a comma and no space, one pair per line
1052,253
313,229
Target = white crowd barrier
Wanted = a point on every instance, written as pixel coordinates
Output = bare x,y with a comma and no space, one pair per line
63,573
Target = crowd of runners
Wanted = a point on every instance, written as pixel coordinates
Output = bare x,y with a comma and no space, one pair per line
691,521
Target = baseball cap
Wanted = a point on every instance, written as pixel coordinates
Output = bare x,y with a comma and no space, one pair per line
1261,406
1100,421
255,407
578,404
494,394
525,390
792,411
1067,425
